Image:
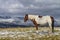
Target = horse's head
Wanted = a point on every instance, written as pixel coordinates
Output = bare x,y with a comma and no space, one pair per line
26,18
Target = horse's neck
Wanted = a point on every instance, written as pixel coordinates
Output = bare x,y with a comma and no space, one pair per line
32,16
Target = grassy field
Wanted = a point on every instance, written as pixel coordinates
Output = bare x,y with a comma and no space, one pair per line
29,33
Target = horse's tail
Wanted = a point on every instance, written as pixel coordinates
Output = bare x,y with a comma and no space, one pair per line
52,24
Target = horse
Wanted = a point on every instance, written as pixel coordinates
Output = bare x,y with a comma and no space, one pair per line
37,19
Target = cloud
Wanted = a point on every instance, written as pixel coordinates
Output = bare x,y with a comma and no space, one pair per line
16,7
42,7
7,20
12,6
47,1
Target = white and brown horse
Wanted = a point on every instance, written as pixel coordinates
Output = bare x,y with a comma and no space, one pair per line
36,19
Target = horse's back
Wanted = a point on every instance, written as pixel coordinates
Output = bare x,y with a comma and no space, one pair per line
43,20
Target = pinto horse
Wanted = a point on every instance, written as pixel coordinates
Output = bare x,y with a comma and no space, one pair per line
36,19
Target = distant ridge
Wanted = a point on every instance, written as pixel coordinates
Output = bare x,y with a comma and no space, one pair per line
16,22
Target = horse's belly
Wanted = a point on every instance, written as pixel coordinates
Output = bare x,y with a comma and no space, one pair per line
42,22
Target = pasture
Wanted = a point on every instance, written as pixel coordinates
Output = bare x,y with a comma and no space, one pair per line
29,33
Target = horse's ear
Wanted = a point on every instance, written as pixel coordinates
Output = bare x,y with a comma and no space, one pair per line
26,14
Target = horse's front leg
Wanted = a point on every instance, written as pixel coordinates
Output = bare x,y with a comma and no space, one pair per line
34,22
36,26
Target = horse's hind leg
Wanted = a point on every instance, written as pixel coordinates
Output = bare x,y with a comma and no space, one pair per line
50,27
52,23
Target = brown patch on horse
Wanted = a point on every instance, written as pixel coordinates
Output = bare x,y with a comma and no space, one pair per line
26,18
35,23
40,16
52,19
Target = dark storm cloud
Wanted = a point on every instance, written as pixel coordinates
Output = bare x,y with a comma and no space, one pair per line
42,7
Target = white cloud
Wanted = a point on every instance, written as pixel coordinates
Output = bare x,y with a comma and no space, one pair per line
7,20
12,6
15,7
48,1
33,6
39,0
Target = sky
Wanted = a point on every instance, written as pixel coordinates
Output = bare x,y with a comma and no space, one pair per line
22,7
36,7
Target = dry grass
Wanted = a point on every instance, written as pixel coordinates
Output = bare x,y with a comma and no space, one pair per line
28,29
25,29
31,36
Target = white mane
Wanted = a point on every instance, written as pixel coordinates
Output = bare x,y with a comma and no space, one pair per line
32,16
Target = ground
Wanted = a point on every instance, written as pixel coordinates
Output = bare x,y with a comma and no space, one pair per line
29,33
